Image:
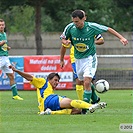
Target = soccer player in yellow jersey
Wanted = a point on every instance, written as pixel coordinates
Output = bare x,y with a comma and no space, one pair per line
50,103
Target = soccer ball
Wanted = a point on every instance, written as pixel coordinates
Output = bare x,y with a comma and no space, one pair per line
102,86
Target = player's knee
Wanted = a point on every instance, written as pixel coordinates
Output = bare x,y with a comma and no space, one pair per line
87,80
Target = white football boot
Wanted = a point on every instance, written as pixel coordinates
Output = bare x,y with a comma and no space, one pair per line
46,112
95,106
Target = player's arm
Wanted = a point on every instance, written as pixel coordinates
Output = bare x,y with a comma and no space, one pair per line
62,54
65,45
2,42
115,33
23,74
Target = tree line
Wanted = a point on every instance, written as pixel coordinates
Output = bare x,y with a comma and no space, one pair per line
38,16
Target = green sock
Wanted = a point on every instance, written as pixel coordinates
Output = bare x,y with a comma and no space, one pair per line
87,96
94,96
14,90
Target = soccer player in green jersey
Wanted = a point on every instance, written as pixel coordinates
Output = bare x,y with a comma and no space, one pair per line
99,40
81,35
4,60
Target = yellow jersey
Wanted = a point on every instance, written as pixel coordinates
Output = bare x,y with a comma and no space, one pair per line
44,89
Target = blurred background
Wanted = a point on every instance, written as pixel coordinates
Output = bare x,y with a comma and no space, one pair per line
34,28
41,21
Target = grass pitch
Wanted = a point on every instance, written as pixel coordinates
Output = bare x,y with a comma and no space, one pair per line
22,117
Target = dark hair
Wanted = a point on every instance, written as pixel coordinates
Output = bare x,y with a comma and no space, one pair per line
1,20
52,75
78,13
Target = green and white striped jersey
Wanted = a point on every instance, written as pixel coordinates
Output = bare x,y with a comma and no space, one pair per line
3,48
83,39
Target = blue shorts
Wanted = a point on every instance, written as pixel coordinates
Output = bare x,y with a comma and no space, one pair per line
53,102
75,73
74,70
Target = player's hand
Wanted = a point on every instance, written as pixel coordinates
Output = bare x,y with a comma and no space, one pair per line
12,67
124,41
61,64
8,48
66,42
2,42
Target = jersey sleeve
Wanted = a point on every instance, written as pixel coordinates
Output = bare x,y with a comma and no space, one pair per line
66,33
98,28
38,82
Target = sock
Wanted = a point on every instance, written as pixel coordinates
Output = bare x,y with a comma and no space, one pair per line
62,112
87,95
80,104
79,90
94,96
14,90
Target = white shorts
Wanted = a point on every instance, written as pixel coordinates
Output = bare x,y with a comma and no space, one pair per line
86,67
4,64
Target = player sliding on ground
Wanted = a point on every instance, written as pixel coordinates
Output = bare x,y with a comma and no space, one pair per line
50,103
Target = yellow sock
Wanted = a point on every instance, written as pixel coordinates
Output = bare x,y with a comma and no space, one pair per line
62,112
80,91
80,104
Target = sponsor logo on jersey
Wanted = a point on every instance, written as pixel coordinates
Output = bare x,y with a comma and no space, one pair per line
80,39
81,47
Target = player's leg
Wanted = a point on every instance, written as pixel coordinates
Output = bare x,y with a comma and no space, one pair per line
88,68
13,87
88,91
61,105
48,111
80,66
10,75
79,89
68,103
94,97
79,84
61,112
